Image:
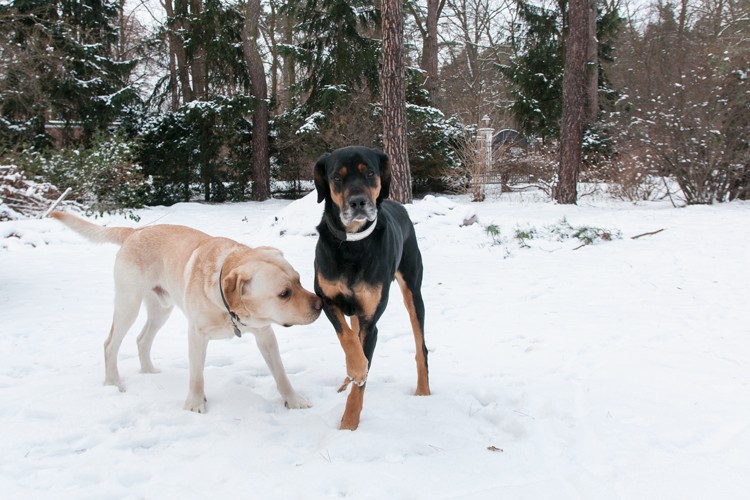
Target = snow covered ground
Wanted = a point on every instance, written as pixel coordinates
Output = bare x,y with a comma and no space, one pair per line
617,370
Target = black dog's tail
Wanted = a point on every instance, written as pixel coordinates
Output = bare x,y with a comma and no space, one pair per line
92,232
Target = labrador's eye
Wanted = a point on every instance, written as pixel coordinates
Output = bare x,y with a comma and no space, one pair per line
285,294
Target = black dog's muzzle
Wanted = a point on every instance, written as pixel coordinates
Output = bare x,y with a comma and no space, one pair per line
358,207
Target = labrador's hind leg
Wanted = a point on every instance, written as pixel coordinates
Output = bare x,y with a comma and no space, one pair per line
127,305
158,310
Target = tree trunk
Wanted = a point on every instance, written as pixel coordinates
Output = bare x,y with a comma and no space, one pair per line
430,48
177,47
592,75
681,34
394,101
574,102
198,65
289,75
272,26
260,164
173,78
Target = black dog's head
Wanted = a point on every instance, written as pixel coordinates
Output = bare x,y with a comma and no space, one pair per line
355,179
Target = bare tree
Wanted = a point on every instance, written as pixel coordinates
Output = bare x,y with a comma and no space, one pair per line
470,79
574,101
178,64
279,34
394,100
260,163
688,110
428,28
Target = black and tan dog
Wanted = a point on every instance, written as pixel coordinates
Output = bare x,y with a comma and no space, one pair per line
365,243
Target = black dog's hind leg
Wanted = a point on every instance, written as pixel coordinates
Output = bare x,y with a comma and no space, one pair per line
411,290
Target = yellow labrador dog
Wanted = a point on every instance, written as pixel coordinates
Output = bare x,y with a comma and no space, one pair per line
223,287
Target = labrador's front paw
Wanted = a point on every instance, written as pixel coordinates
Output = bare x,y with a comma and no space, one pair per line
296,402
196,403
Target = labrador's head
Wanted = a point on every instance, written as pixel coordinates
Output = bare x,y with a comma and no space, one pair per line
261,287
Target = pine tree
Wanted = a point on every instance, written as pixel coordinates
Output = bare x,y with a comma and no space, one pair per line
203,50
535,70
340,50
58,62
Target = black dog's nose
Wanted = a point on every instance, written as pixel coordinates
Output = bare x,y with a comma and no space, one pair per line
358,201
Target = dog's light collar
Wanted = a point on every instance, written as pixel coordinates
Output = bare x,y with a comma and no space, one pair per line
232,315
364,234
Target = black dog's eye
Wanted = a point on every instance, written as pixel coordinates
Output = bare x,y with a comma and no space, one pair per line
370,173
285,294
337,178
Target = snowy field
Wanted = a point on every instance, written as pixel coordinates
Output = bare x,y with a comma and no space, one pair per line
616,370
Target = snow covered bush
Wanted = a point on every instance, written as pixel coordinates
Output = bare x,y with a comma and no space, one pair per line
103,177
200,150
23,197
631,180
433,139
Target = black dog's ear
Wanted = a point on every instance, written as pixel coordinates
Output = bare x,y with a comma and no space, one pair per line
385,176
321,178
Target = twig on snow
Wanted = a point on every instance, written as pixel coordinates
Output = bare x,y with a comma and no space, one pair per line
647,234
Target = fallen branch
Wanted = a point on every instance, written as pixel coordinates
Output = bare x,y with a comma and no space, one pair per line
25,197
57,202
647,234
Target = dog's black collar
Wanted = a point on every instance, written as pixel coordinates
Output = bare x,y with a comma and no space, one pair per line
232,315
344,236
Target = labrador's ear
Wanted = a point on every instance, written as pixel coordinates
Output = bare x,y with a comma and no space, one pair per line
233,285
385,176
321,178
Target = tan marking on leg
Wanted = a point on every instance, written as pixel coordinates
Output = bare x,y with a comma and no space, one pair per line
356,329
351,341
350,420
423,383
331,289
349,337
368,297
356,362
